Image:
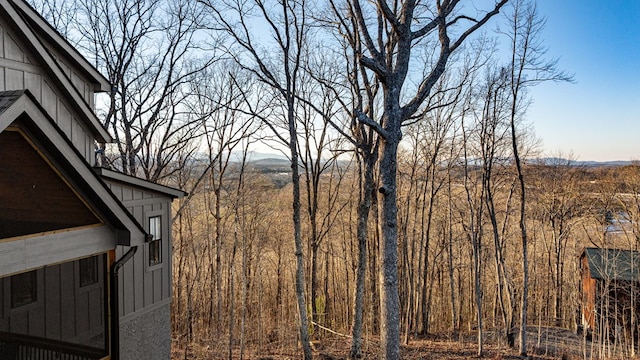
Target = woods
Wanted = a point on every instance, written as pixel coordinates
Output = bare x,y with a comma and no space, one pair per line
408,195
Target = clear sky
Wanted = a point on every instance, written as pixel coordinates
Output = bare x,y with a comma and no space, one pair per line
598,117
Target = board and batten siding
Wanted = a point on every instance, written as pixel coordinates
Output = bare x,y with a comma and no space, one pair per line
80,81
63,310
18,71
80,77
142,286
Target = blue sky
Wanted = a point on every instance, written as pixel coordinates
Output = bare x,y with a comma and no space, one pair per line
598,117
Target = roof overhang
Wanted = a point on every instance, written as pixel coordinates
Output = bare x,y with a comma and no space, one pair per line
140,183
20,110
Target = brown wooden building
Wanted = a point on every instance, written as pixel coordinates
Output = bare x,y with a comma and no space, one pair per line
84,252
610,291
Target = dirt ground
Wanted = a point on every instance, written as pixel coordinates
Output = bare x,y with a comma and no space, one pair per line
544,343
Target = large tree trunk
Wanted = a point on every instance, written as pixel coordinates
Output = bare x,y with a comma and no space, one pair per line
314,281
297,237
388,57
373,255
452,284
523,233
477,269
364,207
525,268
390,302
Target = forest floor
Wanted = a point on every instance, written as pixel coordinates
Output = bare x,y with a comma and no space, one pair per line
544,343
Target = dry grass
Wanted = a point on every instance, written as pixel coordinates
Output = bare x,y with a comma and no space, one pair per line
545,343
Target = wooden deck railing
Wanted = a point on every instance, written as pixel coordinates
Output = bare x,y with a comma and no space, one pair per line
23,347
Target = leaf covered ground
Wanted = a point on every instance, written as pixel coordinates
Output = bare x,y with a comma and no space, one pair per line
544,343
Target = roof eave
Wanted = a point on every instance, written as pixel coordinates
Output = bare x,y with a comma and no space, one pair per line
127,226
141,183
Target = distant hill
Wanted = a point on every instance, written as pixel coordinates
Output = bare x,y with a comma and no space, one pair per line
606,163
557,161
270,162
253,156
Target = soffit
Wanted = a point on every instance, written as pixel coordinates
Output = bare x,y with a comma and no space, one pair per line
20,111
34,198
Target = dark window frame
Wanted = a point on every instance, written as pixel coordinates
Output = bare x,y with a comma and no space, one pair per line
88,271
24,289
155,244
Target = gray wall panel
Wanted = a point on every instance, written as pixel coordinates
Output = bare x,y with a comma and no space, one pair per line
17,72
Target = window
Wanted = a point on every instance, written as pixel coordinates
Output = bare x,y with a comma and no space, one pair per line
24,289
155,245
88,271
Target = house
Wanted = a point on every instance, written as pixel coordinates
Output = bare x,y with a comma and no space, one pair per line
85,252
610,291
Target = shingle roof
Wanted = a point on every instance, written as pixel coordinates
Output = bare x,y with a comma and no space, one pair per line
7,98
613,264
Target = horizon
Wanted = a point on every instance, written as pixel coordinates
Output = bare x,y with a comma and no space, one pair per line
264,155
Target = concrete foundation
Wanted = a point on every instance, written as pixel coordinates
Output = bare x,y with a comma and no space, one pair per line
148,336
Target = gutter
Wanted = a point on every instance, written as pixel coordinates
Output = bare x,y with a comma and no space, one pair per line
115,311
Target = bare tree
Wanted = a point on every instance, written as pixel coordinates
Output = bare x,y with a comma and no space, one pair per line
475,191
218,102
492,116
149,52
438,152
399,29
278,68
319,146
356,91
526,68
556,194
59,13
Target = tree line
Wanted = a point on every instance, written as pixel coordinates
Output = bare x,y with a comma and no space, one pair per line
414,203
